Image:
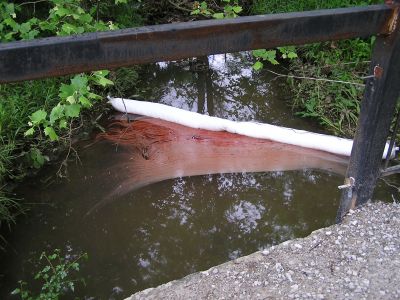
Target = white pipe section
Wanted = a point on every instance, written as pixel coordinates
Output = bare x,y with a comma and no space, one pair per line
285,135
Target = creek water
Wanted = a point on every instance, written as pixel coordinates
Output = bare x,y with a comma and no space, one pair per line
159,224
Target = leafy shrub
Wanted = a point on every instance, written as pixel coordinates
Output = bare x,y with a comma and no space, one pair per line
36,113
55,277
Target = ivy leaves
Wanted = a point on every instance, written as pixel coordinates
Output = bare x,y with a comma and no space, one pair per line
10,29
74,97
270,56
65,18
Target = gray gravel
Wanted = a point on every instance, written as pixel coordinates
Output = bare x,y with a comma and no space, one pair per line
358,259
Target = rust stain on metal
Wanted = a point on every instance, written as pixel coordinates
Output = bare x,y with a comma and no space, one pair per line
378,72
393,20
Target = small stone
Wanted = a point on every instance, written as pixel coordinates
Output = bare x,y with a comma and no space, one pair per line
285,243
148,290
298,246
279,267
289,277
256,283
265,252
294,287
328,232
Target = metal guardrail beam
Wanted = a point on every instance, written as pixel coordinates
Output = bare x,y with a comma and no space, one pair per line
57,56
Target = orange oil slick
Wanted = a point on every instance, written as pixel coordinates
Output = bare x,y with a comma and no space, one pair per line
154,150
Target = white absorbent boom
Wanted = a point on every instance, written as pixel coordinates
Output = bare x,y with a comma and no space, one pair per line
280,134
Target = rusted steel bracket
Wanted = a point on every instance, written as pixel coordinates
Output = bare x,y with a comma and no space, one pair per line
377,108
107,50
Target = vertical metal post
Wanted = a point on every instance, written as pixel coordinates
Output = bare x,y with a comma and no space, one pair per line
377,109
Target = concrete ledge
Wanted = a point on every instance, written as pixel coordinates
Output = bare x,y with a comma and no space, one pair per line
358,259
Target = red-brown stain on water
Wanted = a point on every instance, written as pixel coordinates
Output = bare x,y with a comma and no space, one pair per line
154,150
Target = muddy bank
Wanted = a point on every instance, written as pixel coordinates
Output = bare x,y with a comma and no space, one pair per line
358,259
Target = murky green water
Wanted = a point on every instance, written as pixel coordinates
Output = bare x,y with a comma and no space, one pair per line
172,228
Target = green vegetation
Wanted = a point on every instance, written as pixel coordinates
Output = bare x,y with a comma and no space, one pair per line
271,56
55,276
230,9
40,113
276,6
9,207
335,105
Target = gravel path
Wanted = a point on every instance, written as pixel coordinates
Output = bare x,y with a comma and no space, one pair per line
358,259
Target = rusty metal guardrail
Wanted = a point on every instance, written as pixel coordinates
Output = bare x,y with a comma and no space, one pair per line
56,56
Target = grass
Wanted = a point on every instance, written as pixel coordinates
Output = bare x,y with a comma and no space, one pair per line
18,102
335,105
9,209
276,6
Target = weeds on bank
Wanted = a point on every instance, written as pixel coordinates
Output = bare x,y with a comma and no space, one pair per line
335,105
56,277
277,6
8,207
37,117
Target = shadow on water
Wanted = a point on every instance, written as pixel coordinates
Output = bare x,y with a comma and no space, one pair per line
141,207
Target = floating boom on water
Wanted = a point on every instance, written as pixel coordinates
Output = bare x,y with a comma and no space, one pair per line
280,134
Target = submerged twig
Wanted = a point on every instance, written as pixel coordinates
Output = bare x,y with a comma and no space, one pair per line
64,162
